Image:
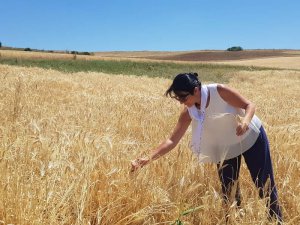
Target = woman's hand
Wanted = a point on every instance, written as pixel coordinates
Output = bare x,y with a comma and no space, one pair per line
140,162
242,128
235,99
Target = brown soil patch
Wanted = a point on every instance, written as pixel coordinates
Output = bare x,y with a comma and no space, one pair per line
226,55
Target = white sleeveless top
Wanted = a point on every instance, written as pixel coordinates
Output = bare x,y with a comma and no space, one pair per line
219,140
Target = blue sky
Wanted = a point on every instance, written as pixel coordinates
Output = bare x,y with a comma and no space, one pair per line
165,25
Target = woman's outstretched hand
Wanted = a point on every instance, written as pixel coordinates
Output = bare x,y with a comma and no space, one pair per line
241,128
140,162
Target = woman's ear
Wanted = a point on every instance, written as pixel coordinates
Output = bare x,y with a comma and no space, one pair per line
196,90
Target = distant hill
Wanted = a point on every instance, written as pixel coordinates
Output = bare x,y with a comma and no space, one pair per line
11,48
184,56
207,55
48,51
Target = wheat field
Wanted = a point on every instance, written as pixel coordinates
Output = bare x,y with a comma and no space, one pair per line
67,139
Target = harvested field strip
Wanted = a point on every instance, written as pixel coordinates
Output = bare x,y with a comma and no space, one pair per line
276,62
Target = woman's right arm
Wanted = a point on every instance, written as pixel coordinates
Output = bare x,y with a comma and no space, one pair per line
166,146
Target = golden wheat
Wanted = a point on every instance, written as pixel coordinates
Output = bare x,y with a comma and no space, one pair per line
66,142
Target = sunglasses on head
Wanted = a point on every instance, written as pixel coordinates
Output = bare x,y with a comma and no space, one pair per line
181,97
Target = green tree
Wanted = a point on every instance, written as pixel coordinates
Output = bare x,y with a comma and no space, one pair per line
235,48
0,44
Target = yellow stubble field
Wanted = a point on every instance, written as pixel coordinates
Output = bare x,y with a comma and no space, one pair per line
66,142
274,62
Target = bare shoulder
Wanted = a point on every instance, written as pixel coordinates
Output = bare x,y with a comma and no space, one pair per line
225,91
232,96
222,88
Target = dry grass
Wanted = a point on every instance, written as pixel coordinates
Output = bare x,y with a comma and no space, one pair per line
132,56
66,141
40,55
274,62
136,56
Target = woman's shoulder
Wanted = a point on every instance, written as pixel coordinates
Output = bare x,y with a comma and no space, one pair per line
214,85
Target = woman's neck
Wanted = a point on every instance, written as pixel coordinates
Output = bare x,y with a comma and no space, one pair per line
198,100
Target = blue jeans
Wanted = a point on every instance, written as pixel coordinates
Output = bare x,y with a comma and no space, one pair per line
259,163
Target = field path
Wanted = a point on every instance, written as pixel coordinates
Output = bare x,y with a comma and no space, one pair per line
275,62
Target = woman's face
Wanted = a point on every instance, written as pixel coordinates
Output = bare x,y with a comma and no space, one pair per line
186,98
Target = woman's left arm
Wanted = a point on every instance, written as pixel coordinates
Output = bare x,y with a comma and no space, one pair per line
235,99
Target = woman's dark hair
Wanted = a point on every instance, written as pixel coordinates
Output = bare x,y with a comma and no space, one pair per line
184,82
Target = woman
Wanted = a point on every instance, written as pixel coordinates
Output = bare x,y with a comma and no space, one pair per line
224,128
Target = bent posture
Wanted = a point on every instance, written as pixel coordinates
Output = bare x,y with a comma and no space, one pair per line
224,128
